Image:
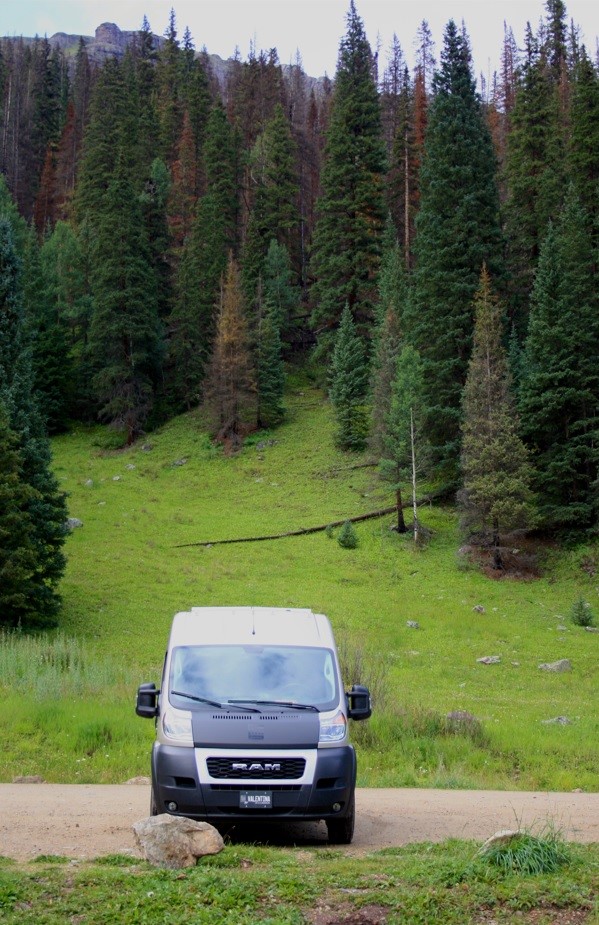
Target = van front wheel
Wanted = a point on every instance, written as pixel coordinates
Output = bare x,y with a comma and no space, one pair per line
153,803
341,831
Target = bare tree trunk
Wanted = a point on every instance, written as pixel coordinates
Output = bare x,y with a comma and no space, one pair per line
401,523
497,560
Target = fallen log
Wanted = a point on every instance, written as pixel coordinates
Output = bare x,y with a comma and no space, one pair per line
301,532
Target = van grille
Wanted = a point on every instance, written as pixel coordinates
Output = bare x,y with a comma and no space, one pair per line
256,768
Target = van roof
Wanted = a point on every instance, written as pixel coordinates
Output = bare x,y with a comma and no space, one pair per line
251,626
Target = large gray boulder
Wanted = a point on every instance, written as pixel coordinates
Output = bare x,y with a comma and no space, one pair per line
174,841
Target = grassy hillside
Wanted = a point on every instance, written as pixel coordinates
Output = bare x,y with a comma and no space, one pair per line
126,577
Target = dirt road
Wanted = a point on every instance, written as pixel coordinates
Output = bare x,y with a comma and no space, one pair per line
79,821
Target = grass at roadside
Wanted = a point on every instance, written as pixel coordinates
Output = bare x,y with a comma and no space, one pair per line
259,885
68,709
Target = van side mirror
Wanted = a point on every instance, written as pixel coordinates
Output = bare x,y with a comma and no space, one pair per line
358,700
147,701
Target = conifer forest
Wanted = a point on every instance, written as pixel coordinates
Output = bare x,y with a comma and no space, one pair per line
173,237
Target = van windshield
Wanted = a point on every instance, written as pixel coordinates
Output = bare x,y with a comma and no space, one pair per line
253,673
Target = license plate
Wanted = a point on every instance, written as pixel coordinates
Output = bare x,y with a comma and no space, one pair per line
255,799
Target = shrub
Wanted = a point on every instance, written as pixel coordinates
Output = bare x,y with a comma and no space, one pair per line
347,536
581,613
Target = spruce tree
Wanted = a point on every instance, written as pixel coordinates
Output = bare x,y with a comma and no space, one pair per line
496,492
18,560
53,369
125,343
534,173
270,370
273,191
349,385
278,289
583,148
45,505
349,228
457,230
559,392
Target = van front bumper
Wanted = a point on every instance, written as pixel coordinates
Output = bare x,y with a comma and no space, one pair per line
185,783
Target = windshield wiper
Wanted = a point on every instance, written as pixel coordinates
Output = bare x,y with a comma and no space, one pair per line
211,703
277,703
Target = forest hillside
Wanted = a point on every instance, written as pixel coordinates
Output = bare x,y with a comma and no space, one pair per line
177,235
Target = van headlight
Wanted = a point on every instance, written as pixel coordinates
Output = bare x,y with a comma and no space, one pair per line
332,728
176,724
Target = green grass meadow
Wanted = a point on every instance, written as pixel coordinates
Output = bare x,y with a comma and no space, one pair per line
69,696
448,884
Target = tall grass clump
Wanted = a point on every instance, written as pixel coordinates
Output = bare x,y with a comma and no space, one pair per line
52,667
525,853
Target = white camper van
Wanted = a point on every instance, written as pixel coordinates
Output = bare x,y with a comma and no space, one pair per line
252,720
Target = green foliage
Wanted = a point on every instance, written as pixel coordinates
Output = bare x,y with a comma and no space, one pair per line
497,475
274,192
125,344
17,537
43,506
559,391
581,613
348,233
348,386
348,538
457,231
535,171
270,372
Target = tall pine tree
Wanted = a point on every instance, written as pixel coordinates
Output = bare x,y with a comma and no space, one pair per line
559,391
43,506
349,228
457,230
125,343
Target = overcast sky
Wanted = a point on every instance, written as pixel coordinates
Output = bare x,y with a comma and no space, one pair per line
314,27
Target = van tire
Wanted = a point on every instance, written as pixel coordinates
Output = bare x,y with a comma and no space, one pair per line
153,803
341,831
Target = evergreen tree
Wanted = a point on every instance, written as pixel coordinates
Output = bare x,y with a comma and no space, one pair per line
270,371
349,385
405,452
583,149
203,264
458,229
125,337
154,200
277,289
44,504
273,192
230,382
18,561
53,371
559,393
348,233
496,494
534,173
393,292
67,304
